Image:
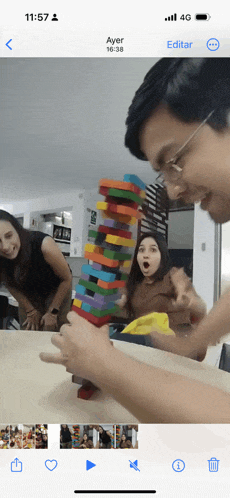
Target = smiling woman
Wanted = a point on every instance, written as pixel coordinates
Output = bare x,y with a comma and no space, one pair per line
36,273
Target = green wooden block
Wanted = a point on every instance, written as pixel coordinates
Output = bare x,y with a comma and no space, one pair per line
125,194
99,313
124,276
95,288
116,255
92,233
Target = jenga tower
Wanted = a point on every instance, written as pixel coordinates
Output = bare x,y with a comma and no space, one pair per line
109,253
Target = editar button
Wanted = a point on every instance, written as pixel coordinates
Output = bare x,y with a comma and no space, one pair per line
179,44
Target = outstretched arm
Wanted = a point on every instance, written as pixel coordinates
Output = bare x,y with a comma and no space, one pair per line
151,394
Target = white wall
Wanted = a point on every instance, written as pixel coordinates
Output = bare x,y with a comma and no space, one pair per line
180,229
204,255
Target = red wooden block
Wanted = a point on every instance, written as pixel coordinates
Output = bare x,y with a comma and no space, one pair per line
104,190
86,391
115,231
120,202
98,321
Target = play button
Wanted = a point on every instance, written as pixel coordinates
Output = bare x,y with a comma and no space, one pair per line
90,465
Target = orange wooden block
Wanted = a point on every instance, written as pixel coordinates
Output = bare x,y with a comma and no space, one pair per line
102,260
129,220
118,209
111,285
105,182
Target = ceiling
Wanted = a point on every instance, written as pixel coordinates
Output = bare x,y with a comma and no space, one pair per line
63,124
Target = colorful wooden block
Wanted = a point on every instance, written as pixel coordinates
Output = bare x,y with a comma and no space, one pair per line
118,209
98,258
115,231
136,180
116,224
101,313
92,248
77,302
104,182
120,202
111,285
95,288
124,194
126,219
126,264
98,321
120,241
106,276
117,255
93,302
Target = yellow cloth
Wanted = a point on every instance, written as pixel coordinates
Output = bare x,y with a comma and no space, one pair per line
145,324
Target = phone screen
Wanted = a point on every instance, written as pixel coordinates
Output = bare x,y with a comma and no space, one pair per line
114,250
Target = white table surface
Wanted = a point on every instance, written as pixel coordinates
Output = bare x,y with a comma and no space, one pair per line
36,392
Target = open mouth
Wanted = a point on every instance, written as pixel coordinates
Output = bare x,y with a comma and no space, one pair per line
146,265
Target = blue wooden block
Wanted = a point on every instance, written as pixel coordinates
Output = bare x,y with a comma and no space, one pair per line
86,307
102,275
80,289
134,179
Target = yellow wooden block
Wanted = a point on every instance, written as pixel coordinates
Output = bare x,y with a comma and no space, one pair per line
93,249
102,205
77,302
158,322
142,194
126,264
120,241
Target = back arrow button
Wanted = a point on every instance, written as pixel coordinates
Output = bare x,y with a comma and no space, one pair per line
7,44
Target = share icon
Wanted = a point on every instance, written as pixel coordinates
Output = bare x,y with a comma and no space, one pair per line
134,465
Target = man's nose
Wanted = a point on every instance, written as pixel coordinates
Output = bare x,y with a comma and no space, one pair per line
174,191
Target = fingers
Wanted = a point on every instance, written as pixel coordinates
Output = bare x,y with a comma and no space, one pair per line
52,358
57,340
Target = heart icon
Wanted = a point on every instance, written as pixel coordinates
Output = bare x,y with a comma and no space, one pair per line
51,464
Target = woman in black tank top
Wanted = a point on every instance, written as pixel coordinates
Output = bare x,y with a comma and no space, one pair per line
36,273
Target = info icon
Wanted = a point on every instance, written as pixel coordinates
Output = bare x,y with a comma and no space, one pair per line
178,465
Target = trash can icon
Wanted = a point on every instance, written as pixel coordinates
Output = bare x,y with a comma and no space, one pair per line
213,465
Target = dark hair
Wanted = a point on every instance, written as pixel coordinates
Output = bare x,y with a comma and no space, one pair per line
191,87
136,276
17,269
123,443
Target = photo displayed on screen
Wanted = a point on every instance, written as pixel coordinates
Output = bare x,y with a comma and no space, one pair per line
147,161
24,436
87,436
127,436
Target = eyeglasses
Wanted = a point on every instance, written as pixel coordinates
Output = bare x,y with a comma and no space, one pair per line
174,172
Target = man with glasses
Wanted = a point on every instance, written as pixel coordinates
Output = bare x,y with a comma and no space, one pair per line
179,121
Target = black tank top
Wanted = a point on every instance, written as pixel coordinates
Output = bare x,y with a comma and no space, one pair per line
39,281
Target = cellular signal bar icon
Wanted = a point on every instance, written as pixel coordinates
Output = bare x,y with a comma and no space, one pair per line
173,17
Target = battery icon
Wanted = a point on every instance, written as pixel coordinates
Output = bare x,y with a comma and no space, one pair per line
202,17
